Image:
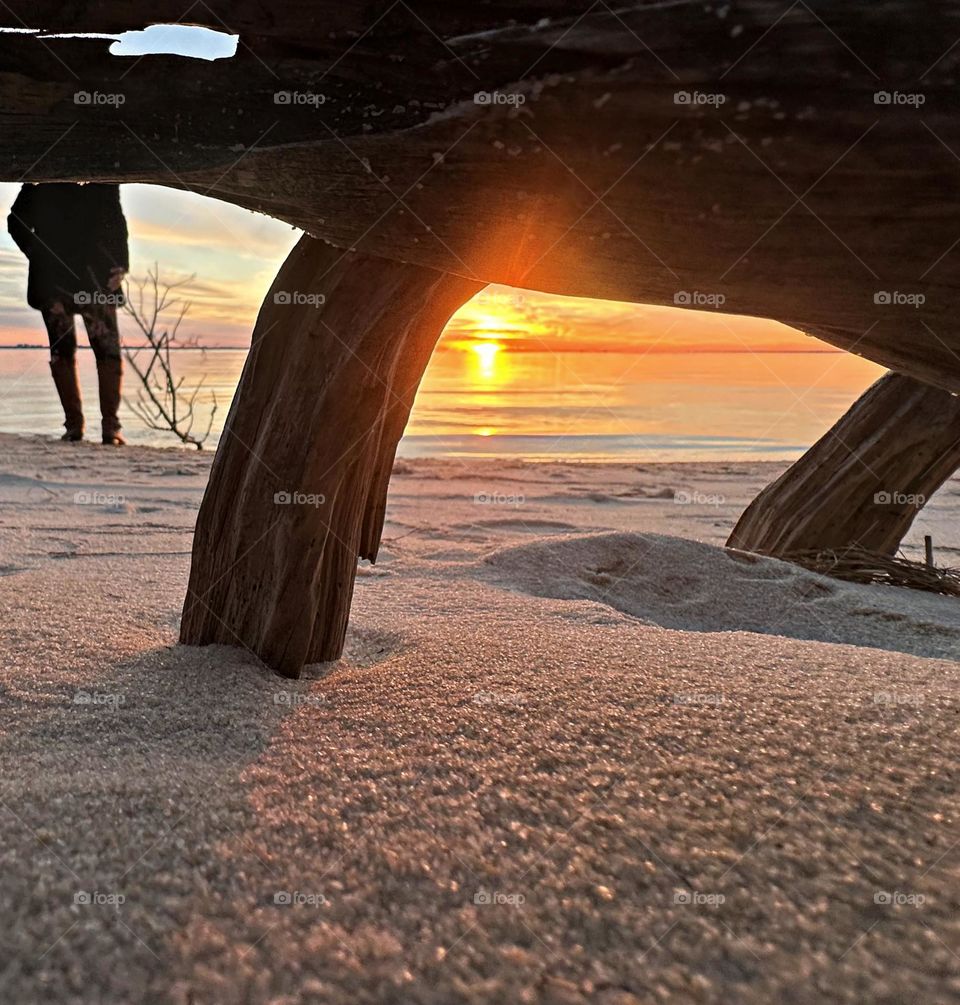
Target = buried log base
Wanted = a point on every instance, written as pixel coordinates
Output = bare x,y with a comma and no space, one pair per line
860,486
298,487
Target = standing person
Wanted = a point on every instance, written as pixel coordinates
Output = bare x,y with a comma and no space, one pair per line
75,238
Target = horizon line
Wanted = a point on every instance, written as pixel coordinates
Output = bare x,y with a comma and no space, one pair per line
640,350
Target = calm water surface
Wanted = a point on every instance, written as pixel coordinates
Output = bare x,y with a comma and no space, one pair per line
597,406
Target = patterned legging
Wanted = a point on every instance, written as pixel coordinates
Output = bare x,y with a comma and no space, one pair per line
99,318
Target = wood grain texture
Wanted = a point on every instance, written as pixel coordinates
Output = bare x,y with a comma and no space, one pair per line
862,484
298,487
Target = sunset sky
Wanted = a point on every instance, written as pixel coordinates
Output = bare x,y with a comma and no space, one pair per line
234,255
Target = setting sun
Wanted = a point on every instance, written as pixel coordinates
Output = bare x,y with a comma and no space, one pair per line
487,352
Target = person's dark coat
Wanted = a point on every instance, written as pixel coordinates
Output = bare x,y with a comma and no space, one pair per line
73,236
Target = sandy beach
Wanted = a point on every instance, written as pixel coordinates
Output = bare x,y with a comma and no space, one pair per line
575,752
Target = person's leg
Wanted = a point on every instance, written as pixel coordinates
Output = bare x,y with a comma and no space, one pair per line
63,366
104,336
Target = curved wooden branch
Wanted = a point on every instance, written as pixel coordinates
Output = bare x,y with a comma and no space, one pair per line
861,484
298,487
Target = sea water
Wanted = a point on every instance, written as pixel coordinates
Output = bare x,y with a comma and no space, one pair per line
571,405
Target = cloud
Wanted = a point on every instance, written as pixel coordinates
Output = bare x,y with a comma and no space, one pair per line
529,321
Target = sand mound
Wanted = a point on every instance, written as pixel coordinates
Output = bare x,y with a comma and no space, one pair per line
690,586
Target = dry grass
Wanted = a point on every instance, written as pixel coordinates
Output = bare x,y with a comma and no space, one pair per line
856,565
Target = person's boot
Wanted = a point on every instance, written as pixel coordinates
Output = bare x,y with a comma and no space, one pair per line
68,388
109,372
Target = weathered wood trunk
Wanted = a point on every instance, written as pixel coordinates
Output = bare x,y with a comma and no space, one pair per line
861,484
298,487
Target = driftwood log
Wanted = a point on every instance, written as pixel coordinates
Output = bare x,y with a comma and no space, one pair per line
298,487
860,486
798,162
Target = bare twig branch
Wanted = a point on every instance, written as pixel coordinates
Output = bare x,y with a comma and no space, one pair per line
160,403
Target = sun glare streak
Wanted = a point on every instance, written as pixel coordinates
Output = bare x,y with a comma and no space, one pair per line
486,353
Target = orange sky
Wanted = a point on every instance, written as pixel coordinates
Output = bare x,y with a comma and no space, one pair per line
526,321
